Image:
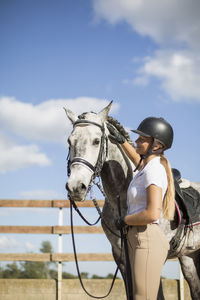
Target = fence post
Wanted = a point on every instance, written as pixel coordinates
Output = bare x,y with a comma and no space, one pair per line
181,284
60,223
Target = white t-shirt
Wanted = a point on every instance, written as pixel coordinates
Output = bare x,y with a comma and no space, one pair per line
153,173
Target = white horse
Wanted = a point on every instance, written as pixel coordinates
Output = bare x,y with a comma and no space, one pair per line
93,153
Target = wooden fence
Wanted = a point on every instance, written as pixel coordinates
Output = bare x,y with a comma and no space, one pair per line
58,230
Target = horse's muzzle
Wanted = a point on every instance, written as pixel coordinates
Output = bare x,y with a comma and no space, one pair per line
78,192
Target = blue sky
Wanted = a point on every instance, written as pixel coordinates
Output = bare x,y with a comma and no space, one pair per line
81,54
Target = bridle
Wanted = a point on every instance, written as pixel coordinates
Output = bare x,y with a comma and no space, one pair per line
96,170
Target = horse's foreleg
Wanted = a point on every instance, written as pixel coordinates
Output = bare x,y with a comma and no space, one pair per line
190,269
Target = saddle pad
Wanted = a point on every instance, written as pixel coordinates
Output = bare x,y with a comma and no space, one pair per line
188,200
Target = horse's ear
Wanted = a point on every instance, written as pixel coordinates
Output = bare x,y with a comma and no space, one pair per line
72,116
103,114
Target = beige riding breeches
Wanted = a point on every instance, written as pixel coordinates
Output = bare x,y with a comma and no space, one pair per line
148,248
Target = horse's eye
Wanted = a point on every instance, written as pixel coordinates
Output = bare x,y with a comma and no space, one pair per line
96,142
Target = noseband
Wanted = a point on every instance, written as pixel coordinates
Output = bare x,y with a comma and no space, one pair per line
96,170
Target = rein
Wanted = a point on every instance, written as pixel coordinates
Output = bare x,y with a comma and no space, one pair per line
124,243
96,173
77,265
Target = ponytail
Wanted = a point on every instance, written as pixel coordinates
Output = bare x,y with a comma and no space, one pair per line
169,198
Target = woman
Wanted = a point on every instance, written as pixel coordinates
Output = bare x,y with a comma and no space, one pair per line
150,192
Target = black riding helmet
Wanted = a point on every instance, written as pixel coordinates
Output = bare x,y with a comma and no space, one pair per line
158,129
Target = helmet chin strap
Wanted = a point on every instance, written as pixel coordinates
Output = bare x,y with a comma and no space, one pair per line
139,164
150,151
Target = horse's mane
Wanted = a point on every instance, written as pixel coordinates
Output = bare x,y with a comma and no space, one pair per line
120,128
116,124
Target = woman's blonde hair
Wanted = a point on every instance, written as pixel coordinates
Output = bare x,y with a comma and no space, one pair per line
169,199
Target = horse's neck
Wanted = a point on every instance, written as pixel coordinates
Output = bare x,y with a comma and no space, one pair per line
116,174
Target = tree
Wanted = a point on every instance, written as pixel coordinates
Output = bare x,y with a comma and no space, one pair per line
96,277
53,274
11,271
39,269
110,276
31,269
84,275
46,247
1,272
66,275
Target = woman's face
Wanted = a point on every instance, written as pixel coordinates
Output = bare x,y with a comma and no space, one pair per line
142,144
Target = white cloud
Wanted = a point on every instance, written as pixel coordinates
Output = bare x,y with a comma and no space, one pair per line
175,21
46,121
175,26
178,71
29,246
8,243
140,80
15,156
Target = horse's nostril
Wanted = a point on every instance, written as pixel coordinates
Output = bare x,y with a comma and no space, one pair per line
83,186
80,188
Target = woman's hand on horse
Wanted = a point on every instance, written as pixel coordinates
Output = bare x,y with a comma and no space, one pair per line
115,134
120,223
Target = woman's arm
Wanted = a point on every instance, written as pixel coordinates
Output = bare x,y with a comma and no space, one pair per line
131,153
152,212
128,148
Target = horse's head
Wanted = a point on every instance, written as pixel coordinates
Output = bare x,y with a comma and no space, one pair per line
87,144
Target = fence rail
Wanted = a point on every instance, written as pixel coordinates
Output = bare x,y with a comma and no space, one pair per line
59,230
50,229
46,203
55,257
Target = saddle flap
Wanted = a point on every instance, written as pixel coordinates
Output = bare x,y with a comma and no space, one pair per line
188,200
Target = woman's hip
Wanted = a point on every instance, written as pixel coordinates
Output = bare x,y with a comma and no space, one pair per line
147,236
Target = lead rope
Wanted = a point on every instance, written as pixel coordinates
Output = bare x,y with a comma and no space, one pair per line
82,217
72,204
80,214
97,183
77,265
